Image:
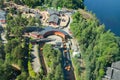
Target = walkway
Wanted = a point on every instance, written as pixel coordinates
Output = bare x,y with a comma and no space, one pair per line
3,37
74,45
42,60
35,58
67,64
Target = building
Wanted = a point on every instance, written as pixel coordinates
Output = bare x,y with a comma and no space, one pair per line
113,72
26,10
52,31
53,12
2,17
35,35
38,16
54,19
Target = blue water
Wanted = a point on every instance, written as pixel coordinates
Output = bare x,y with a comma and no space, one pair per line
107,11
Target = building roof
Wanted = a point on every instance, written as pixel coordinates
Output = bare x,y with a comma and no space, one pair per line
48,29
109,72
35,33
2,17
26,9
32,11
52,11
113,72
116,65
2,12
54,18
116,75
37,15
43,31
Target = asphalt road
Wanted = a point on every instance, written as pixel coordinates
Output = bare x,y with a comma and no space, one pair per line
69,75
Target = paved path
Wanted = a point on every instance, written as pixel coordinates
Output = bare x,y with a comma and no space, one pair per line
35,58
68,27
3,37
74,41
71,75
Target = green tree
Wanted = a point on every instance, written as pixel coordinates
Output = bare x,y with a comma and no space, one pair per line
2,53
6,72
99,48
22,76
1,3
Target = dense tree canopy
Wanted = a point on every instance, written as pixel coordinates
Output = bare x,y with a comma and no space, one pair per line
52,3
1,4
6,72
99,47
53,60
2,53
65,3
16,25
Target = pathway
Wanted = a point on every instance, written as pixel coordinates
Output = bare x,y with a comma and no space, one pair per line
35,58
3,37
42,60
74,45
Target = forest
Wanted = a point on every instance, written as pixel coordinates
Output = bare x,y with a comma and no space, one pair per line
14,57
53,60
50,3
99,48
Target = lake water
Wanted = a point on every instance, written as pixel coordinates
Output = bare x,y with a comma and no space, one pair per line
107,11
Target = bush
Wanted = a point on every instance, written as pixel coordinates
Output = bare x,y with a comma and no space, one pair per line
30,70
